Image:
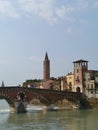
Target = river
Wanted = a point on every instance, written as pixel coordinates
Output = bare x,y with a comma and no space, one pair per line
38,119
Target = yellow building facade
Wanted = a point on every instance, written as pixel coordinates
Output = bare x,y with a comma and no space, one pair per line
70,81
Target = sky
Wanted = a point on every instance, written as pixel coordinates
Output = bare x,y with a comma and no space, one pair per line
66,29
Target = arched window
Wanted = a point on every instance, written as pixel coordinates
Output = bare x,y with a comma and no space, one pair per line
78,89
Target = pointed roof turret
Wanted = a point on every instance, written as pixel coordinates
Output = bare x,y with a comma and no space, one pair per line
46,56
2,85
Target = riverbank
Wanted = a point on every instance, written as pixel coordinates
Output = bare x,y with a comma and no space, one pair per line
93,103
66,105
59,105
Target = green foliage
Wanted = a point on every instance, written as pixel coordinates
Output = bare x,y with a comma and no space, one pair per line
52,78
30,81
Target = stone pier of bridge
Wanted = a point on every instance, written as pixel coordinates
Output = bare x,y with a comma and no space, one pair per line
19,107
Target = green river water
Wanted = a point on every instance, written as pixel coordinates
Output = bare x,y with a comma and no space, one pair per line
39,119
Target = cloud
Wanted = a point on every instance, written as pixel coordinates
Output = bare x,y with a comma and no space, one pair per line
82,4
48,10
34,58
96,4
6,8
65,13
63,10
52,12
5,62
83,21
68,30
42,8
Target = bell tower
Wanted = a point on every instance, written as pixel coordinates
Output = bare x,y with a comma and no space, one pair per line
80,67
46,68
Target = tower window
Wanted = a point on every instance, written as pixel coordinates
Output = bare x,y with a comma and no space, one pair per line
77,71
77,79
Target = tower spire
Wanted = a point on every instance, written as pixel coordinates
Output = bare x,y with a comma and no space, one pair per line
46,56
2,85
46,68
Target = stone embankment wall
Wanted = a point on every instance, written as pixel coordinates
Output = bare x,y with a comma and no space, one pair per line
65,104
93,103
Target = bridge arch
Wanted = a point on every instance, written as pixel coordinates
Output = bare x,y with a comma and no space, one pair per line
9,101
4,106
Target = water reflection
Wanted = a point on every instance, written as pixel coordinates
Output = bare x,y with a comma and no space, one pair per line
49,120
61,120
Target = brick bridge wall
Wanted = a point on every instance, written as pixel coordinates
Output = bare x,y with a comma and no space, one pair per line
47,97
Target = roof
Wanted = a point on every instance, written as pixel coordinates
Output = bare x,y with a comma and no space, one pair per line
70,74
46,56
92,71
79,61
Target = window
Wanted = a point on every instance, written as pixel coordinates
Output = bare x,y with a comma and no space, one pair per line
92,88
70,83
77,71
88,86
77,78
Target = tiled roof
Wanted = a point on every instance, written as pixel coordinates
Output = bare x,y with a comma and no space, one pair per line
79,61
92,71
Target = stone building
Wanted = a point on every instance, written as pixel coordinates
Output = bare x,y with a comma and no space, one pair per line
85,80
46,82
80,80
50,82
70,82
91,83
80,67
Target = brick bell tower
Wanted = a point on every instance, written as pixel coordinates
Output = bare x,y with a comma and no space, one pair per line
80,67
46,68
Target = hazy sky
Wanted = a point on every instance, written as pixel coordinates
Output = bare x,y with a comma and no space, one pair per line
66,29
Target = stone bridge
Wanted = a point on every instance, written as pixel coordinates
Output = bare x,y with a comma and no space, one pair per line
19,97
